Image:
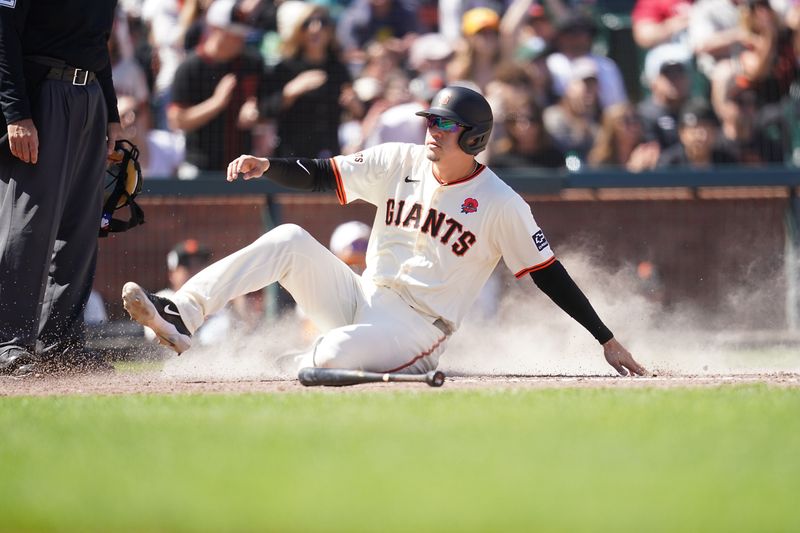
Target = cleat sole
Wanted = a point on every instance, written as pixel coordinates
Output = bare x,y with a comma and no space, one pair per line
142,310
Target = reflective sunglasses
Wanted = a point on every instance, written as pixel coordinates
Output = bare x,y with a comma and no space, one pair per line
443,124
323,21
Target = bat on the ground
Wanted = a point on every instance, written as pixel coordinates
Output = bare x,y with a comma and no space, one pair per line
339,377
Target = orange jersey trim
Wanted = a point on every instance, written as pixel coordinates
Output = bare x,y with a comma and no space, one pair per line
417,358
534,268
340,194
462,180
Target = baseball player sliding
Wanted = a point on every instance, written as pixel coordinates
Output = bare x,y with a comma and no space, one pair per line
442,224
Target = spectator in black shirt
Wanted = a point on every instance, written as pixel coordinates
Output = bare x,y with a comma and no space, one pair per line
215,94
698,130
666,73
61,120
311,86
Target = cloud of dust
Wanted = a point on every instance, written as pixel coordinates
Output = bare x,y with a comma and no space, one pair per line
241,355
530,335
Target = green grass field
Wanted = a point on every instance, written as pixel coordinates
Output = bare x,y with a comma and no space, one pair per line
721,459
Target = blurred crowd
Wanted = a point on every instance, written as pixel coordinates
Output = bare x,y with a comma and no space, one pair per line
702,83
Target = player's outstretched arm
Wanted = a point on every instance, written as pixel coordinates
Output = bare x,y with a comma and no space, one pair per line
300,173
556,283
622,360
247,167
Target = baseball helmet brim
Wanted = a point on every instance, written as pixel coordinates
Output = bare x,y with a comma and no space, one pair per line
444,113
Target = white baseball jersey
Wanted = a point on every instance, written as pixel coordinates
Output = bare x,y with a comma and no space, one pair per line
436,244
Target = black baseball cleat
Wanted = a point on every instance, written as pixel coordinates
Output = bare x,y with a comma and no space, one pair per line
159,314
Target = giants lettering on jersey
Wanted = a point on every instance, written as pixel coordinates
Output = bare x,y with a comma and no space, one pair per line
434,224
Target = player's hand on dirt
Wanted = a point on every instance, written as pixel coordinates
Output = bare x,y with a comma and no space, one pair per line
224,89
622,360
23,139
247,167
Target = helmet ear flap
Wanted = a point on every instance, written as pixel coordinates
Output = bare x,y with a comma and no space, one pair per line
474,142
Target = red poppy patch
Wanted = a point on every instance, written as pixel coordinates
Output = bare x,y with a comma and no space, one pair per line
470,205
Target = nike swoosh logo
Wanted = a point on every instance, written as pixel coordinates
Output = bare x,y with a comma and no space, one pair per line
409,180
170,311
301,166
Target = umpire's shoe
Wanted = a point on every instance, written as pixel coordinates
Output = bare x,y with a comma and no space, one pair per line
16,361
159,314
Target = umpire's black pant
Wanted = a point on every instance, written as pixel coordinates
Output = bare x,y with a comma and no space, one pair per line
49,220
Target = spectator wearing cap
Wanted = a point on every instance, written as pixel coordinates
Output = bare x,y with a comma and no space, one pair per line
574,36
574,120
215,94
698,129
349,243
310,88
667,75
479,51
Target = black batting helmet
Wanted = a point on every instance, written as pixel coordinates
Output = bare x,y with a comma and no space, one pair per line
470,109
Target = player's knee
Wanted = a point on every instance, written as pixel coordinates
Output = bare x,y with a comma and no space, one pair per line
286,234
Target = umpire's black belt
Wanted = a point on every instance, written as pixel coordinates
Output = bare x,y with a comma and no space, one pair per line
75,76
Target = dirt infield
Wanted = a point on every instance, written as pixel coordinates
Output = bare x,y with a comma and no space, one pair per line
158,383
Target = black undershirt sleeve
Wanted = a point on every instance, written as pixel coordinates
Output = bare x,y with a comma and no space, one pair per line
306,174
556,283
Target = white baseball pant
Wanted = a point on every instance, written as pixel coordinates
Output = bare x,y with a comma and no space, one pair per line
366,327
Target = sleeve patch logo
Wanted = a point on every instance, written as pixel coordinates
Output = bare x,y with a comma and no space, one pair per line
358,158
540,240
470,205
8,3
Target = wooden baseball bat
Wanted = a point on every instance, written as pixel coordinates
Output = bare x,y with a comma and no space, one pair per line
339,377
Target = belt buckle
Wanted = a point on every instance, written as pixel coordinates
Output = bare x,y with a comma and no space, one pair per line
75,77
